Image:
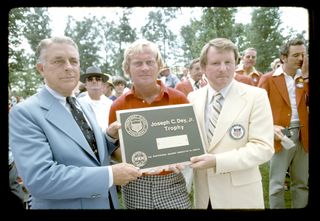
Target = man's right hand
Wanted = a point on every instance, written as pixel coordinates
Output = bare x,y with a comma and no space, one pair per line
277,132
123,173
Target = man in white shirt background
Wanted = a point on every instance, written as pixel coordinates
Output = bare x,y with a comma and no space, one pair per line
94,81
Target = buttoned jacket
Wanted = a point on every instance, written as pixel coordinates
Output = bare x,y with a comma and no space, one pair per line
235,182
54,159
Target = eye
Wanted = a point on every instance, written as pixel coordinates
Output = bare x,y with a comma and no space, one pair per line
59,61
150,63
74,62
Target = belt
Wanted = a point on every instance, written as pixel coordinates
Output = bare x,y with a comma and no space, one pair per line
162,173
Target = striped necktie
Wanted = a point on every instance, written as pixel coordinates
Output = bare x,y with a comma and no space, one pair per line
84,126
213,113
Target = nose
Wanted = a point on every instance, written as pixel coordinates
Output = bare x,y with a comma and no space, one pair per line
223,66
301,56
67,64
144,65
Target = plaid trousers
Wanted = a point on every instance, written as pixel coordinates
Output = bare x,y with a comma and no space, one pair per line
157,192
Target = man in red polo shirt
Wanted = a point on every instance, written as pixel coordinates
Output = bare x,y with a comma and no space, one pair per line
161,189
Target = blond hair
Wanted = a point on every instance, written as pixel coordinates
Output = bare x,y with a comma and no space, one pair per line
220,44
137,47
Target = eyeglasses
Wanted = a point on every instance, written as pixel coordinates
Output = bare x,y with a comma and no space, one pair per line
94,77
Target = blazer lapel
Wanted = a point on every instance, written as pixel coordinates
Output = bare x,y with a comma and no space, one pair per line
280,83
96,130
63,121
232,106
199,106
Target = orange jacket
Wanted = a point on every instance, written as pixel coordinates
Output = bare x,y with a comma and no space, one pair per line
280,104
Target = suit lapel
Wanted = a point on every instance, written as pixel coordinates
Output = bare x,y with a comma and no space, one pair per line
280,84
63,121
232,106
96,130
199,106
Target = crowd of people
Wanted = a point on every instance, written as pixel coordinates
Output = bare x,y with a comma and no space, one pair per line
69,155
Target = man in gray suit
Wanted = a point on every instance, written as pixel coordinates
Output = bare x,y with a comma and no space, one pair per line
53,157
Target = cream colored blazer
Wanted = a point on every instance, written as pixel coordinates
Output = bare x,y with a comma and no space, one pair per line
243,140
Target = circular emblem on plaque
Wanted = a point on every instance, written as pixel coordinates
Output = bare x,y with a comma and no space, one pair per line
136,125
139,159
237,131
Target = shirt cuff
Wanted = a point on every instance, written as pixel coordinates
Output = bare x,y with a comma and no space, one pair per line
110,176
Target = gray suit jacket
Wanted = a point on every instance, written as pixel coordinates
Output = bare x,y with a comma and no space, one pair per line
54,159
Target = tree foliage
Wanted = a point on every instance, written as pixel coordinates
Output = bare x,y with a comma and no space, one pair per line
102,41
214,22
27,26
156,30
265,36
87,35
117,37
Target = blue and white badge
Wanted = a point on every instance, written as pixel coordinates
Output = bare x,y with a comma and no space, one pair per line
237,131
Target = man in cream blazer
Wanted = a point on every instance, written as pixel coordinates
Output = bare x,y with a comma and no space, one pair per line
228,176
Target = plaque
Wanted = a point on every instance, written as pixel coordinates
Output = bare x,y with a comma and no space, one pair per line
151,138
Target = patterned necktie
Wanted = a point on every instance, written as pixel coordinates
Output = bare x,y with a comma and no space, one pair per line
214,111
85,128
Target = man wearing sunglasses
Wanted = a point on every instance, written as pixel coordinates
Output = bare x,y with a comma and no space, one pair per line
94,81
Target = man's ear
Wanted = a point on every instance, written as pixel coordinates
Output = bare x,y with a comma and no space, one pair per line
39,68
283,58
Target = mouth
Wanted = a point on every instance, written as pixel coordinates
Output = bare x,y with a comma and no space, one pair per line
67,78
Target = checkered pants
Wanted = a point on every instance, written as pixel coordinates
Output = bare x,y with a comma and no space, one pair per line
157,192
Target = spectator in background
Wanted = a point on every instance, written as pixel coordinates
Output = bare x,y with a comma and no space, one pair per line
288,91
119,86
195,80
94,81
108,87
185,74
246,66
170,80
161,189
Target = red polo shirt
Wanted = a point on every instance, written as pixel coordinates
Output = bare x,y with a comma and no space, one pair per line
129,100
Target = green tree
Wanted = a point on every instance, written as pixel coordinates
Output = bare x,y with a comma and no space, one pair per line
190,34
156,30
265,35
215,22
117,38
87,35
27,26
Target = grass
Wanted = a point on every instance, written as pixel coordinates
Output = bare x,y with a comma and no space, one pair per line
264,169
